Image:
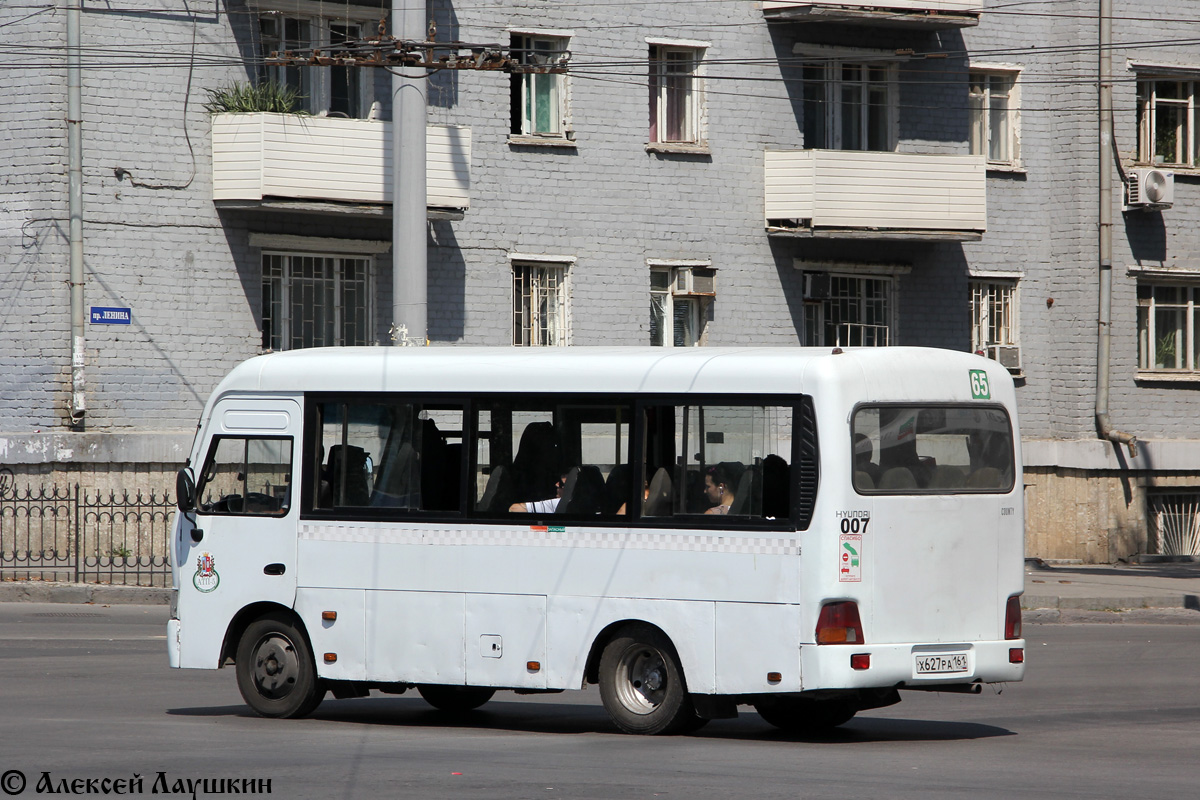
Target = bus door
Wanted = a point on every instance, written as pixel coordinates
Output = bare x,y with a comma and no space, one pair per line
243,547
940,480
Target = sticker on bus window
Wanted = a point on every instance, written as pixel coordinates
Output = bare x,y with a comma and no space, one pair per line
850,558
979,385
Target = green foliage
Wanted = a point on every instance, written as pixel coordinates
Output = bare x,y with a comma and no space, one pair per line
243,97
1164,352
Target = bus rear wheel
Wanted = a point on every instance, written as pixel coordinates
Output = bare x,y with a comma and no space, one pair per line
804,716
455,699
275,670
642,686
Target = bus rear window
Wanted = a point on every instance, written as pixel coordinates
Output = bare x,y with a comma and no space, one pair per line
932,449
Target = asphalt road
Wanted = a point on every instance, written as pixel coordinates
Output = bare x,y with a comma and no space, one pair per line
1108,711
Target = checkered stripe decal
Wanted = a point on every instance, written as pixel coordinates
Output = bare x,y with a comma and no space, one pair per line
534,537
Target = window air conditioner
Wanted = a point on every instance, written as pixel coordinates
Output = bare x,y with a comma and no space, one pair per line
1009,355
1149,189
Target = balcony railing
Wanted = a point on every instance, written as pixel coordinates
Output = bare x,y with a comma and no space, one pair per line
260,156
839,193
899,13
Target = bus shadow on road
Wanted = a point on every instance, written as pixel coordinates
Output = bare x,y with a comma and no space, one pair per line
570,718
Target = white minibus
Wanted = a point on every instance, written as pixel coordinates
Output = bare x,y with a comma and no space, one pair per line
809,532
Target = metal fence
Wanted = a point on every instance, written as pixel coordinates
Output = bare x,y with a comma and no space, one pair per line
65,533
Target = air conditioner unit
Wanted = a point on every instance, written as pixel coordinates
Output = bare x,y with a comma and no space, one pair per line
1009,355
1149,189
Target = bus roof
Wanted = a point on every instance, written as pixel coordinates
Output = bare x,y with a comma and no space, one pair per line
910,372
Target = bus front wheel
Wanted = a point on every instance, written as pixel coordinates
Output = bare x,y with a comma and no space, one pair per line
641,683
455,699
275,670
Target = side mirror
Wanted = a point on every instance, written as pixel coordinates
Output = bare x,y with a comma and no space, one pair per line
185,490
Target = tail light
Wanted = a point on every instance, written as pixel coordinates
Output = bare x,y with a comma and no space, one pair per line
839,624
1012,618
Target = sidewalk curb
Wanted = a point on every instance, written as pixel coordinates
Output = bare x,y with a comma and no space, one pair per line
1032,602
51,592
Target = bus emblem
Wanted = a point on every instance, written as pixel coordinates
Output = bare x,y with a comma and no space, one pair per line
206,578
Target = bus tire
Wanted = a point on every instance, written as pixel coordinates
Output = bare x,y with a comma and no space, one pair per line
642,684
805,717
276,673
455,699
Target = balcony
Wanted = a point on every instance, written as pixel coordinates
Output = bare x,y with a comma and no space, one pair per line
328,164
867,195
922,14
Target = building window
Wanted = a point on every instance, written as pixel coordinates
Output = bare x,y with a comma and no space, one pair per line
338,90
848,106
993,103
539,102
1167,116
847,310
674,94
314,301
680,304
994,321
1175,522
539,303
1168,336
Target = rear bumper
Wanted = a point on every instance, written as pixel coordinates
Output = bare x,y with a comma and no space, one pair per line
828,666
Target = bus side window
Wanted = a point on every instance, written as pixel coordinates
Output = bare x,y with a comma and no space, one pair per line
246,475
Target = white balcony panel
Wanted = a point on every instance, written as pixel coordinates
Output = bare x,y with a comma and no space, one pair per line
928,14
959,6
321,158
854,190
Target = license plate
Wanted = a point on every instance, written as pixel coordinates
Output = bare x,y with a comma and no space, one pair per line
940,663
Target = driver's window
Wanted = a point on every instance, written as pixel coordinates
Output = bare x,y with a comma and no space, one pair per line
247,475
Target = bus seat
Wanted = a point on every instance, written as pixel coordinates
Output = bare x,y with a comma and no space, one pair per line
896,479
863,480
947,476
583,491
776,492
658,499
535,469
616,489
985,478
497,495
742,497
397,486
353,492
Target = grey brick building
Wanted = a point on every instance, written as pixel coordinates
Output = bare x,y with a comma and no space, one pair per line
919,172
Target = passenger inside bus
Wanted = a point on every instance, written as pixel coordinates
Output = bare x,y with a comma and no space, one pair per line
720,487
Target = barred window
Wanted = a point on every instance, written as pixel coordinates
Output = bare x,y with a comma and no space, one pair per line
539,304
315,301
847,311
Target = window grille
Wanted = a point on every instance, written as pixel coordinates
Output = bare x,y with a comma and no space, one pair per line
539,304
314,301
1175,523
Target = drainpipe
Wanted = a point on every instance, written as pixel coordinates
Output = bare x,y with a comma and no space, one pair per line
75,209
1104,339
410,258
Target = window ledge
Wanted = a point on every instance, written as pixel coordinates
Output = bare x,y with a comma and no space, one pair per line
698,149
1179,170
1012,169
1167,376
541,141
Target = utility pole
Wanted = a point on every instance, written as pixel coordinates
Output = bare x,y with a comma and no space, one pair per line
410,256
78,408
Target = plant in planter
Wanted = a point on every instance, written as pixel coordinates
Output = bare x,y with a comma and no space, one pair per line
245,97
